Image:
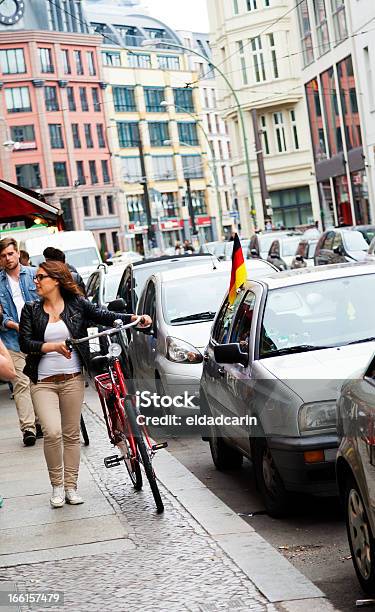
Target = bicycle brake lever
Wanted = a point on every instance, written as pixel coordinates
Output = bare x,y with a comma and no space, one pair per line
69,344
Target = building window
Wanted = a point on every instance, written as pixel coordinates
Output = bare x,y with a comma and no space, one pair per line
28,175
293,123
305,32
51,99
55,136
278,120
86,206
45,58
169,62
235,7
22,133
159,132
187,133
88,136
163,167
100,135
12,61
66,207
349,103
258,59
331,111
91,63
111,210
111,58
316,120
217,121
136,212
76,136
128,133
93,174
83,98
205,96
339,20
183,99
271,41
321,25
251,5
131,169
105,171
153,97
17,99
66,61
139,60
78,61
264,135
123,99
61,174
95,99
198,201
369,78
115,242
192,166
98,205
267,3
292,207
71,99
241,55
80,173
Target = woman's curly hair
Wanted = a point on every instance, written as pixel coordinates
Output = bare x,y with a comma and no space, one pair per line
60,272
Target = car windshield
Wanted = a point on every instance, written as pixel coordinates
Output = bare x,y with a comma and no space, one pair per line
332,312
289,246
111,284
79,258
265,242
368,233
193,299
354,241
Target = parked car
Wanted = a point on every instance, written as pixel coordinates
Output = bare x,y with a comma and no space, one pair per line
223,250
124,258
355,469
182,304
367,231
282,251
259,244
370,255
278,356
340,245
102,285
304,257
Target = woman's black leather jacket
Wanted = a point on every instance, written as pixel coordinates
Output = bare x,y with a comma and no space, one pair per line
77,315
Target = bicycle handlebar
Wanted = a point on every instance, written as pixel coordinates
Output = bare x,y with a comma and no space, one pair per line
70,342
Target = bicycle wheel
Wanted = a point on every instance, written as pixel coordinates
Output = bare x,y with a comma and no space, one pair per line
132,462
84,433
145,457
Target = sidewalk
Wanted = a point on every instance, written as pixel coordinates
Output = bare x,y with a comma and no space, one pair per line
114,551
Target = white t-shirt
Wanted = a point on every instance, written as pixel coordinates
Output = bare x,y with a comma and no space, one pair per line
18,300
54,363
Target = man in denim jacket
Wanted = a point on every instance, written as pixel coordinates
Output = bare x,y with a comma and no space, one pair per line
17,287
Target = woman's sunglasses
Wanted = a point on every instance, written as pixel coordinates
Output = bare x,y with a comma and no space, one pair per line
39,277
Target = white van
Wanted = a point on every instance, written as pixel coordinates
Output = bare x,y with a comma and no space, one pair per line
80,249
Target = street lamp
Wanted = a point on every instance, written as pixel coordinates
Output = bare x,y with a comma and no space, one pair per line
211,149
153,43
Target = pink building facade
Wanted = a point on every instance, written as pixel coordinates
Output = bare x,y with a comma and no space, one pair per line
54,128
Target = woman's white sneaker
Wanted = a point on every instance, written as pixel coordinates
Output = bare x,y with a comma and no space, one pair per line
72,497
57,499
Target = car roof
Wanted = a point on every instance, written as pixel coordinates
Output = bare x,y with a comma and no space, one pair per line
167,258
317,273
188,272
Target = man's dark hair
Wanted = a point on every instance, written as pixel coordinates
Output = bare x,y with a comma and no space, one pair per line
53,254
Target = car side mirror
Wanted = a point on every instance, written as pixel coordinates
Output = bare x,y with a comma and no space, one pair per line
230,353
118,305
338,250
274,256
254,253
299,258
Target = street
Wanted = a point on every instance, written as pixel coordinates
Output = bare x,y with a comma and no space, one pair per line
314,540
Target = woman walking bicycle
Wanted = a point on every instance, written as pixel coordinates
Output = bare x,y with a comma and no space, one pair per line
57,384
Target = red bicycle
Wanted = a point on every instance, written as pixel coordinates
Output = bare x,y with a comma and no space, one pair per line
125,426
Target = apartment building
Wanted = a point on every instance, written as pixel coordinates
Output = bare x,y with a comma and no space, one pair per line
254,43
160,151
53,132
337,60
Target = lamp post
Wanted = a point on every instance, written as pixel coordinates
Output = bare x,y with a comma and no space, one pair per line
153,43
211,149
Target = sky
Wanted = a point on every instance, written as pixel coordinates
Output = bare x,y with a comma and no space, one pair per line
181,14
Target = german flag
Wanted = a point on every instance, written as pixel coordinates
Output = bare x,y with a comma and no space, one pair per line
238,275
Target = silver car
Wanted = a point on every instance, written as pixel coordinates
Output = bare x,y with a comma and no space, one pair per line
182,304
355,468
273,370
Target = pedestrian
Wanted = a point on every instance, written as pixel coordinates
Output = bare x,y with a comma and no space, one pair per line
17,287
57,384
7,372
24,258
188,247
53,254
178,248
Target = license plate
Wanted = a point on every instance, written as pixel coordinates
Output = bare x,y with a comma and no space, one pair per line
330,454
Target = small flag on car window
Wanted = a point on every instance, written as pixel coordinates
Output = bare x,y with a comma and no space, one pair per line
238,274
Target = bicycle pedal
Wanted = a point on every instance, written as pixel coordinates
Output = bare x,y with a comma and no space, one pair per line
156,447
112,461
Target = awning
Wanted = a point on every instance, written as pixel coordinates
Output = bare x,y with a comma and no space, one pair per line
20,204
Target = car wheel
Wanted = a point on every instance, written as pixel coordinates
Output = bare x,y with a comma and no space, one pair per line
224,456
361,541
275,497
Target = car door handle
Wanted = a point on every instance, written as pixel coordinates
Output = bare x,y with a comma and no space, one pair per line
221,371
